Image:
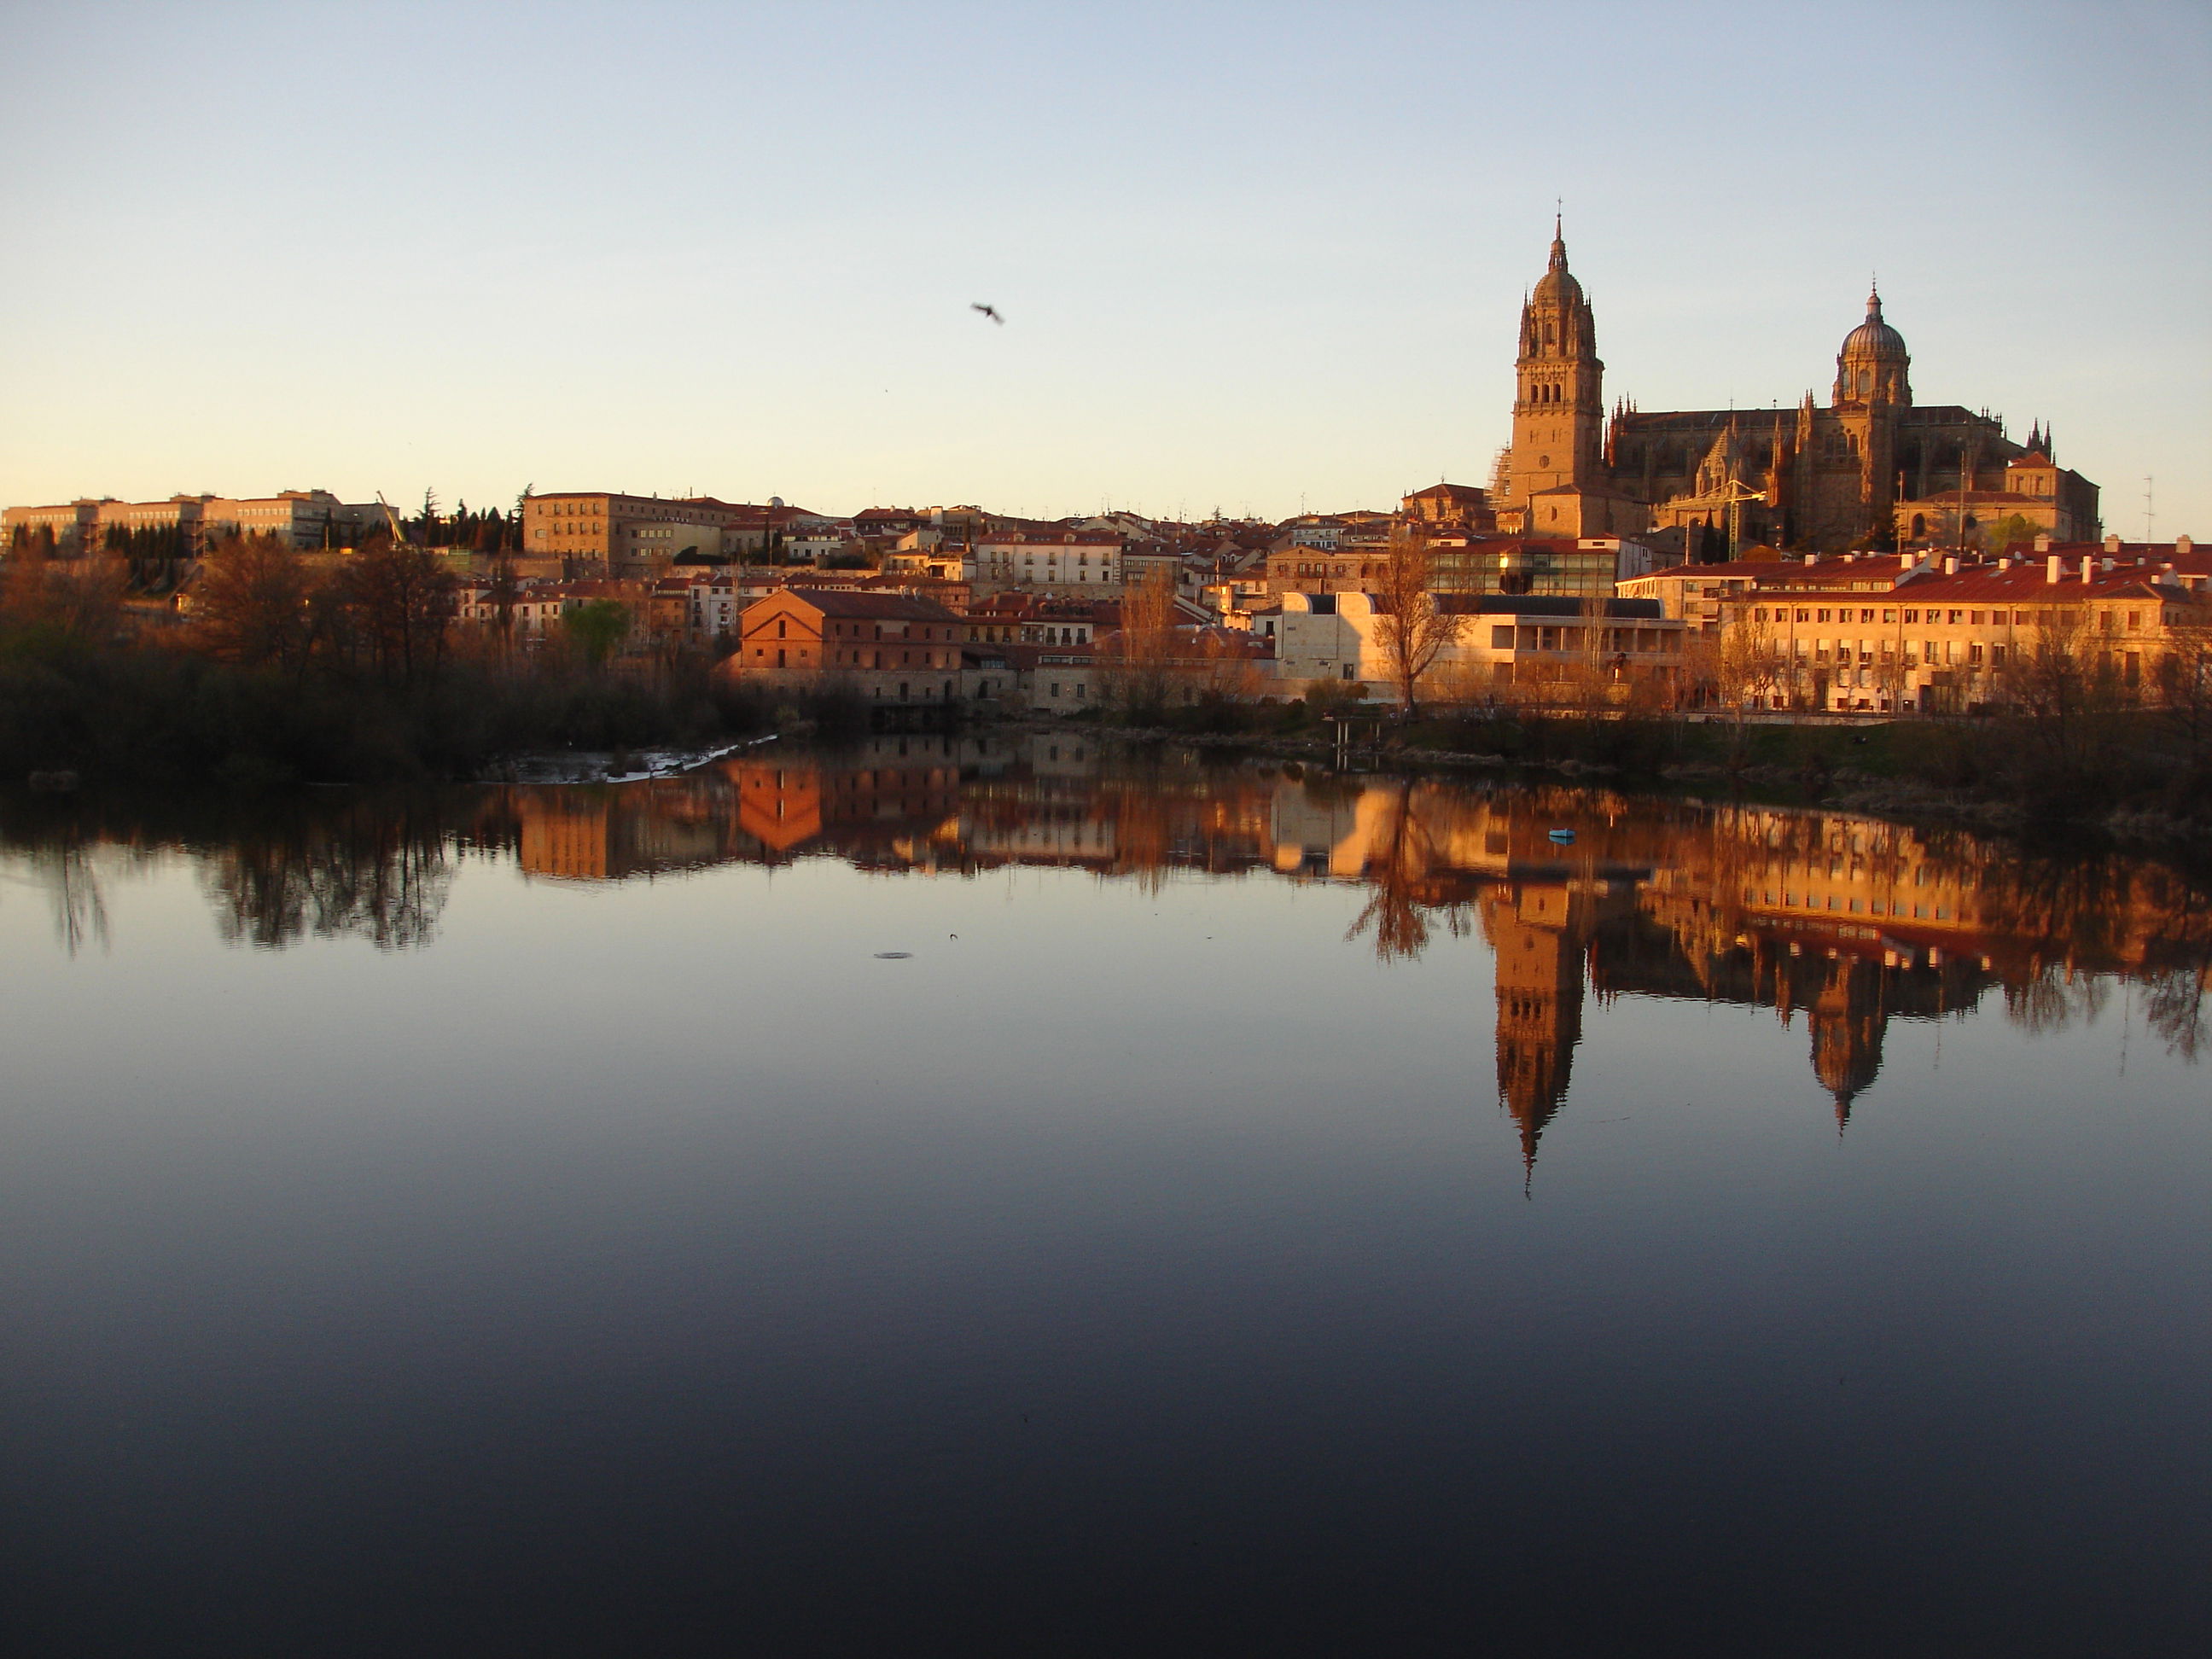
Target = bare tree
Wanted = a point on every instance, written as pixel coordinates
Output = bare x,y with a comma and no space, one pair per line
81,596
401,598
505,587
1411,629
2053,686
249,605
1139,663
2185,683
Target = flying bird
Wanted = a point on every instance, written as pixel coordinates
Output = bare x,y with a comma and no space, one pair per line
992,312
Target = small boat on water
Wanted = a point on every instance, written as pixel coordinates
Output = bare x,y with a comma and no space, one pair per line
1563,837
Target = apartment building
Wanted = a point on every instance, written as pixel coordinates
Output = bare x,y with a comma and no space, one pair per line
1958,638
1696,594
1049,558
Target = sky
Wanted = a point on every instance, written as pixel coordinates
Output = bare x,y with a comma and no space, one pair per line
1257,258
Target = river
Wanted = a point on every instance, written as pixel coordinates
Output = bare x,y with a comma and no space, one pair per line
961,1195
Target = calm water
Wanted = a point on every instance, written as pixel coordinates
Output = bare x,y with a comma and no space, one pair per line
1258,1212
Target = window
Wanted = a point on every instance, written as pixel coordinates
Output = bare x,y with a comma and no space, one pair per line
1501,637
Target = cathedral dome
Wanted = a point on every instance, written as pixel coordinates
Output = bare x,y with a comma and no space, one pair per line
1872,367
1874,338
1558,285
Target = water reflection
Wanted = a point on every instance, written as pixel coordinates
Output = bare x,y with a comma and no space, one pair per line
1850,922
378,874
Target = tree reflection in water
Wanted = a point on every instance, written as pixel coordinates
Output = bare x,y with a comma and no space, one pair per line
379,875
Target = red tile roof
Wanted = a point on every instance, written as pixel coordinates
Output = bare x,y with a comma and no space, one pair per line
882,607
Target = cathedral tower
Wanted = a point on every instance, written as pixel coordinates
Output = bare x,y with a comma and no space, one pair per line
1558,406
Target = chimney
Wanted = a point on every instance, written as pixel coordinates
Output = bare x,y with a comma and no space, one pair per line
1812,558
2185,545
2113,543
2005,563
1850,558
2085,563
2042,541
2051,568
1951,564
2110,565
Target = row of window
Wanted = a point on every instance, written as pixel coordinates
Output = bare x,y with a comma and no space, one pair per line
1914,615
1857,907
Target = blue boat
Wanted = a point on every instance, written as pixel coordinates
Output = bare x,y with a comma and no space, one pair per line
1563,837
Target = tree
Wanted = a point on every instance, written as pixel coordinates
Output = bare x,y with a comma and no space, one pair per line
596,628
27,598
2053,686
2184,680
399,598
1137,665
2013,530
1411,629
505,589
251,602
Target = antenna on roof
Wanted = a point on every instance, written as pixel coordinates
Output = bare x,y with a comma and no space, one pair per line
2150,505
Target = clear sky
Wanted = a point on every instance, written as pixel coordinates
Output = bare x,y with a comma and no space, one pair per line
1250,256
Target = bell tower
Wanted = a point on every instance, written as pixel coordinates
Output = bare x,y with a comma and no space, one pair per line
1559,403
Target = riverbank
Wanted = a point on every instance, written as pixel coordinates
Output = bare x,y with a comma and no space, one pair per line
2128,775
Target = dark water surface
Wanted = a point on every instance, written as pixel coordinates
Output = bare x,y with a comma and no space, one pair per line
1261,1213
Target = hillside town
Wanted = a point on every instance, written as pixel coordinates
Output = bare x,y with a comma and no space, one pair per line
1870,556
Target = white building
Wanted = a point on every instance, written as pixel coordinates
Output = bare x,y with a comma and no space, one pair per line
1504,641
1076,559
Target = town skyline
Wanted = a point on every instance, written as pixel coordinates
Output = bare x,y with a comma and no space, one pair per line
1259,275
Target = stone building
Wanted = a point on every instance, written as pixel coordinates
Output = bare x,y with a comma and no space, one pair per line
890,647
1869,466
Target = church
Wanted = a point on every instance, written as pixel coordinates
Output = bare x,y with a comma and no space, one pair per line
1871,469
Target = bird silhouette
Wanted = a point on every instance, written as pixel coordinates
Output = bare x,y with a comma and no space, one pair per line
992,312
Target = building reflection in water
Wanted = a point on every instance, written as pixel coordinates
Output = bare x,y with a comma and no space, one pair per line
1851,922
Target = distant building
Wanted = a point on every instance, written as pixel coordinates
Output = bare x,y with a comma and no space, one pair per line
307,519
1506,642
1956,637
1050,558
628,536
889,648
1588,567
1827,478
1449,504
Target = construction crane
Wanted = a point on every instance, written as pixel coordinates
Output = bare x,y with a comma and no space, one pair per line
391,521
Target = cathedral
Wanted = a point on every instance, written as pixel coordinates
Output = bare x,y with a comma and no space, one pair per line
1871,469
